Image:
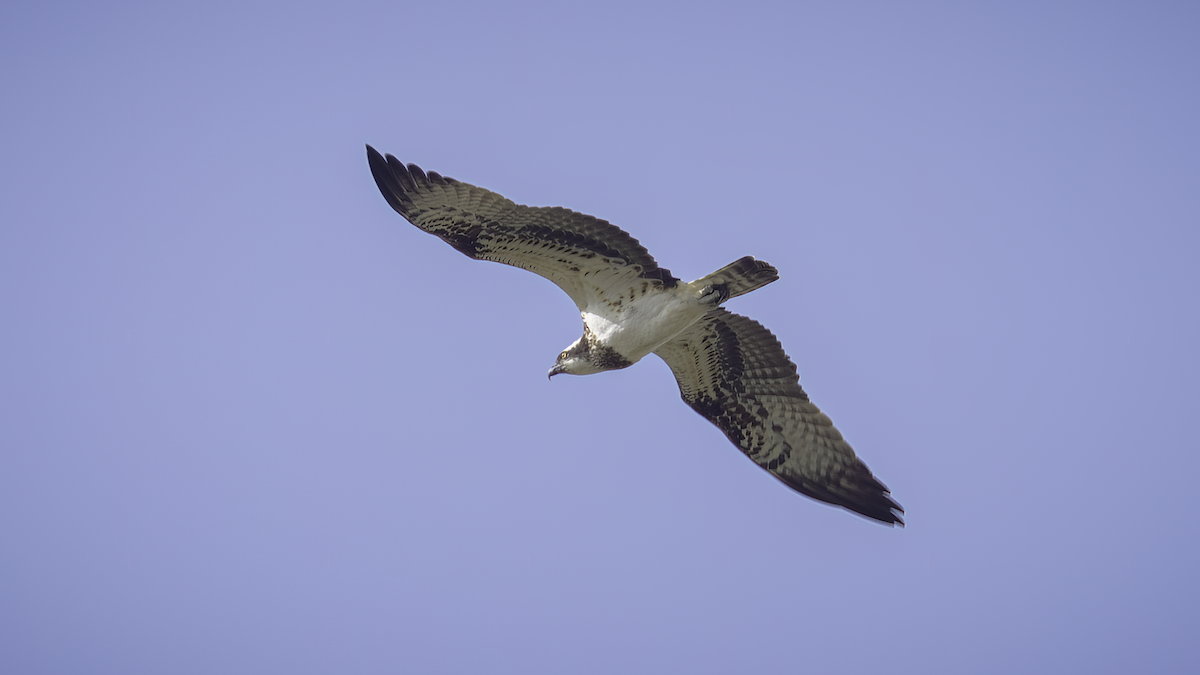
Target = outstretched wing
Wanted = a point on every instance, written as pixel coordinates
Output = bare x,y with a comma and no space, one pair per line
584,256
734,372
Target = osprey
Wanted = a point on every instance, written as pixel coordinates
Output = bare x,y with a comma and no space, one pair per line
729,368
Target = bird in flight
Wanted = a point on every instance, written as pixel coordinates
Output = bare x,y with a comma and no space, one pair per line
729,369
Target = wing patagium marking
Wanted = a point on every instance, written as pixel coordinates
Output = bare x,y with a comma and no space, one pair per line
577,252
733,371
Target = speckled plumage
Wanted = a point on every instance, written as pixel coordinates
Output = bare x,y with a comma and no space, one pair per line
729,369
735,373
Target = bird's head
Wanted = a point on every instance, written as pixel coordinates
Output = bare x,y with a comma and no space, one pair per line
576,360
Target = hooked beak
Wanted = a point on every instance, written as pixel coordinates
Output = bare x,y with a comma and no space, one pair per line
556,370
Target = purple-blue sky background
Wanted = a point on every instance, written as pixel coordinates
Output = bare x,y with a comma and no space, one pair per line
252,421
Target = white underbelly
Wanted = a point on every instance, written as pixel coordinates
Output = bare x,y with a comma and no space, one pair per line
637,328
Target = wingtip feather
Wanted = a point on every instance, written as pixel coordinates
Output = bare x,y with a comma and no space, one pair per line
391,177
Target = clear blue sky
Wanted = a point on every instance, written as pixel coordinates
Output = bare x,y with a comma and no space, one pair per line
252,421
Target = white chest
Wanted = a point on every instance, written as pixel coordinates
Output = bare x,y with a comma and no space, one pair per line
637,327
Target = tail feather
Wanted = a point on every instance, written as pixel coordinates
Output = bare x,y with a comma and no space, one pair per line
741,276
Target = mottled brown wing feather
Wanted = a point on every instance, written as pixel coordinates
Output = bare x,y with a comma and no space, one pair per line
735,373
579,253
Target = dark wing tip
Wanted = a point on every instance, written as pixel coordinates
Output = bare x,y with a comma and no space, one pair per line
377,162
865,495
884,509
869,498
394,180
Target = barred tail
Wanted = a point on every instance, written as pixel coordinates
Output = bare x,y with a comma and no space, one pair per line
741,276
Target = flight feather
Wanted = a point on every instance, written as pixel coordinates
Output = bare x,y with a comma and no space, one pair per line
577,252
734,372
